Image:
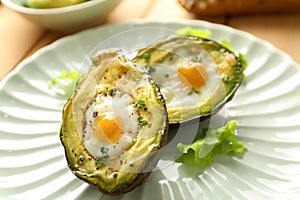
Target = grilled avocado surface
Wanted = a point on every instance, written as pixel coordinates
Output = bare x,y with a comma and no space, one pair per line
114,125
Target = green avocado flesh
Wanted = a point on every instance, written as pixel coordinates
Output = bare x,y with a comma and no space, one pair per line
52,3
223,75
112,76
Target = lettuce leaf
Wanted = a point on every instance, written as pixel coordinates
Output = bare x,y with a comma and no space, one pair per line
189,31
227,45
214,142
64,84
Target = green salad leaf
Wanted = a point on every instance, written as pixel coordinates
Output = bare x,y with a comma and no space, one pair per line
64,84
227,45
244,62
213,142
189,31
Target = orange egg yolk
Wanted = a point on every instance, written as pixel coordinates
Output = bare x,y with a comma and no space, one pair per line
194,73
106,129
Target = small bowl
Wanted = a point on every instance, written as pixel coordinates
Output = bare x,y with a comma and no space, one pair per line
66,18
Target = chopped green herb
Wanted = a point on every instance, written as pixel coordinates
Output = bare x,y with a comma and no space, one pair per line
112,92
147,56
95,60
151,69
171,57
104,150
167,75
197,91
115,175
142,122
196,59
193,90
140,104
100,160
140,49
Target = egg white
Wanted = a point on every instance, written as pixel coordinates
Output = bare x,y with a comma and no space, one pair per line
177,92
120,106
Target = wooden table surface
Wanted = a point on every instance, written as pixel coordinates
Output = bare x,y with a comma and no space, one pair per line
19,38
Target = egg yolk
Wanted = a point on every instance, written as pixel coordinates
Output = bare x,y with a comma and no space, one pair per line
106,129
194,73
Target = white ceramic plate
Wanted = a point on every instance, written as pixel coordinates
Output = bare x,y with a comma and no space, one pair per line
266,107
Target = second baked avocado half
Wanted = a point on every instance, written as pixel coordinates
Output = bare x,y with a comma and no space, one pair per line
197,76
114,125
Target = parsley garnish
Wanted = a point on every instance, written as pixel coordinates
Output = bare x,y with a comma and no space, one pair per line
152,69
196,59
100,160
146,56
171,57
142,122
193,90
140,104
104,150
95,60
112,92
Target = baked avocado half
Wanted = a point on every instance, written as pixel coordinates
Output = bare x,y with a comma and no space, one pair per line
114,125
197,76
